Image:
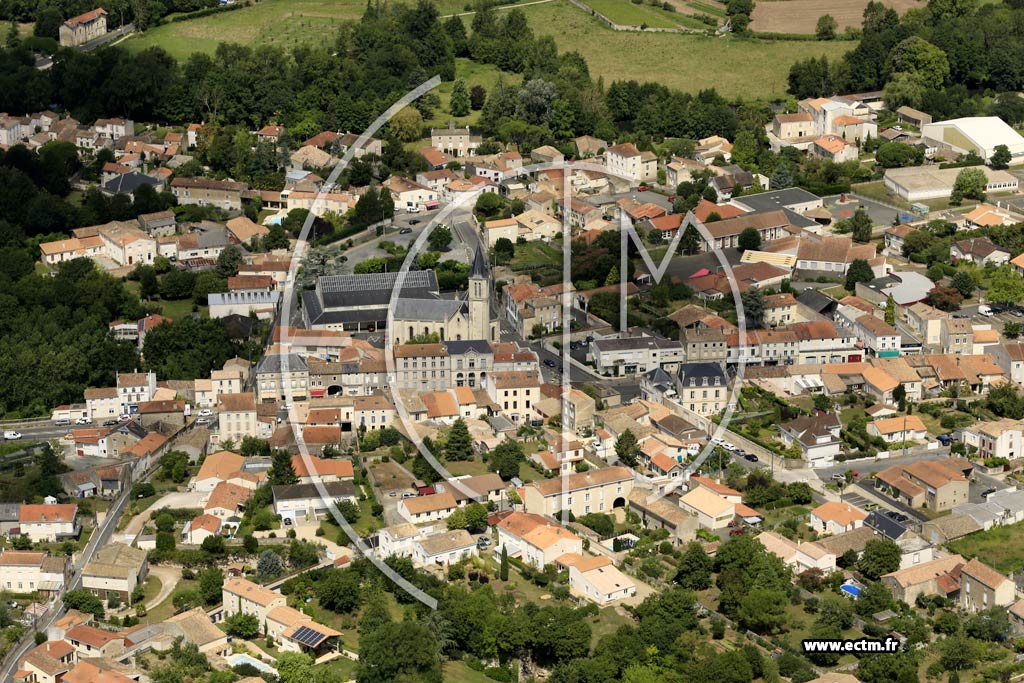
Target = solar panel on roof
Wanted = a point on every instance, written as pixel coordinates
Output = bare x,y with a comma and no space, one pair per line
307,636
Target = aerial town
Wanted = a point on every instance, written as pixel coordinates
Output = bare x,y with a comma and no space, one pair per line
546,375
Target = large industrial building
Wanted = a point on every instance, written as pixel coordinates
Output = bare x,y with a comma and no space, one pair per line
917,183
978,134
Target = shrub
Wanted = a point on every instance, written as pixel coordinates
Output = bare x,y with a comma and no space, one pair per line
717,629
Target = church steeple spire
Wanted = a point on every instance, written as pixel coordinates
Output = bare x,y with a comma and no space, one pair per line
479,269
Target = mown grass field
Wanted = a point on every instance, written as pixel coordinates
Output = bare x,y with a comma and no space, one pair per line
1001,547
736,67
629,14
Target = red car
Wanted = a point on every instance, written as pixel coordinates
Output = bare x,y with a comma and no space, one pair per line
737,531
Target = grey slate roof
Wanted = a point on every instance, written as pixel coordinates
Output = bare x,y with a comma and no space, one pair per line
460,347
274,363
699,371
128,183
439,310
334,490
371,289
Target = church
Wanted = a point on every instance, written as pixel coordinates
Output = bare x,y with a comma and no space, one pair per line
360,303
452,319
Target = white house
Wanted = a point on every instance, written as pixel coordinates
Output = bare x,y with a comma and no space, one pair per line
836,518
431,508
444,549
537,540
48,523
597,579
304,502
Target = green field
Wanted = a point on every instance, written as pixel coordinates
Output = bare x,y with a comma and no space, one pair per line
736,67
1001,547
630,14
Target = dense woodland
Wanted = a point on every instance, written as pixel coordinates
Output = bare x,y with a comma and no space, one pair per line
950,58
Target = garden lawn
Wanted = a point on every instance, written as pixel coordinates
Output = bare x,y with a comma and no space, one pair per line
1000,547
166,608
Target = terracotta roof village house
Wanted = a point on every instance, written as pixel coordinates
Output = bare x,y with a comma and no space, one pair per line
938,485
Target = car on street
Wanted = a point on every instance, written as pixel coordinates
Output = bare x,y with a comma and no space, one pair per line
203,421
414,221
205,412
550,363
750,457
729,447
12,435
83,421
896,516
125,417
405,231
110,423
392,494
838,476
961,315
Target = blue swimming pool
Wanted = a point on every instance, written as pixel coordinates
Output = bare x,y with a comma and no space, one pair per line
242,658
851,589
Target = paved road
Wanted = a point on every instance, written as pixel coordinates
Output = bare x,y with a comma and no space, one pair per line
99,538
867,468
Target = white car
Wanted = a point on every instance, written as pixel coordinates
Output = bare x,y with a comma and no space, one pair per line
12,435
83,421
716,441
205,412
729,447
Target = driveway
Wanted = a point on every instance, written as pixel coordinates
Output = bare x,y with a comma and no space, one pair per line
169,579
177,499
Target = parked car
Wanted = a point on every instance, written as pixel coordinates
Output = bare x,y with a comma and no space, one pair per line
414,221
63,422
750,457
944,439
12,435
407,494
987,492
871,506
203,421
737,531
110,423
125,417
550,363
205,412
483,542
83,421
838,477
405,231
412,209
